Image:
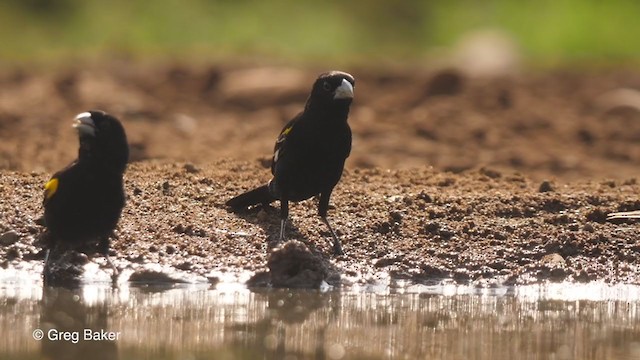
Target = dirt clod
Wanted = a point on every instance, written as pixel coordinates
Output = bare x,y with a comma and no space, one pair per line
546,186
293,265
9,238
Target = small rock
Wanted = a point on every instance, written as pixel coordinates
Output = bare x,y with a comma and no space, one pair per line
170,249
446,234
260,279
461,276
609,183
151,276
582,277
187,265
553,259
13,253
546,186
597,215
33,230
185,124
446,182
490,173
424,197
434,272
430,228
386,261
9,238
191,169
139,258
619,98
180,229
558,274
447,82
396,216
499,236
383,228
487,53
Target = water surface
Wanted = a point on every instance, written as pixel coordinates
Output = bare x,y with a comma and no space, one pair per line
228,321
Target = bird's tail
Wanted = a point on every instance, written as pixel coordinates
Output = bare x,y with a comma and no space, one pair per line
256,196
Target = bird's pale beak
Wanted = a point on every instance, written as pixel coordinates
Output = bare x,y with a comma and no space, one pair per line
344,91
84,124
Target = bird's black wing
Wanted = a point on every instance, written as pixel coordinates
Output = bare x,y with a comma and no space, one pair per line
280,146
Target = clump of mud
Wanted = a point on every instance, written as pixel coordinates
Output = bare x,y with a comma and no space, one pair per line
293,265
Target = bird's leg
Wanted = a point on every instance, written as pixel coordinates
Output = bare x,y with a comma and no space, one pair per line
104,249
337,247
323,208
46,270
115,269
46,259
284,214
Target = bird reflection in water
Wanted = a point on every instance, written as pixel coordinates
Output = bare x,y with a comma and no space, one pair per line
74,330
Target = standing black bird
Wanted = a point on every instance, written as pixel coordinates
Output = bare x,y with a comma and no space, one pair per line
310,152
83,202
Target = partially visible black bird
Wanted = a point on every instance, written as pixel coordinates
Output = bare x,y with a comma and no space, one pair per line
83,202
310,152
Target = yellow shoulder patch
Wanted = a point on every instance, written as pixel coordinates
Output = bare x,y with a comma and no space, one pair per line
283,134
50,188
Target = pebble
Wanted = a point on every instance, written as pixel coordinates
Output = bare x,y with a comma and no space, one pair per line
546,186
13,253
191,169
9,238
553,259
396,216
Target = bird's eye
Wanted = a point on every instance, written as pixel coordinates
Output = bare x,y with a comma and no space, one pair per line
326,86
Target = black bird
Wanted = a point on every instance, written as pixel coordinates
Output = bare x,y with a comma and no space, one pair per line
83,202
310,152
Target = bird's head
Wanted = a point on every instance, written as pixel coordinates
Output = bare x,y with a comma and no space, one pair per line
102,139
333,87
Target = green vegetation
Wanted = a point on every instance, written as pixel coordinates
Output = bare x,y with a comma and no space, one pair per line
547,31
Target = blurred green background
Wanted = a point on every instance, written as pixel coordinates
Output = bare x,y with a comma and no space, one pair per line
546,32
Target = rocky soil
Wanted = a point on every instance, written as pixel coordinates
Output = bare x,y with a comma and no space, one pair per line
487,181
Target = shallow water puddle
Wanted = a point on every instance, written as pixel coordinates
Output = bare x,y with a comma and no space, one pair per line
228,321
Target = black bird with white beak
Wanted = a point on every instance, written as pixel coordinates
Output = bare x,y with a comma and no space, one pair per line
83,202
310,152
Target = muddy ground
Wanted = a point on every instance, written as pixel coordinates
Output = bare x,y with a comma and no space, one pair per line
500,180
